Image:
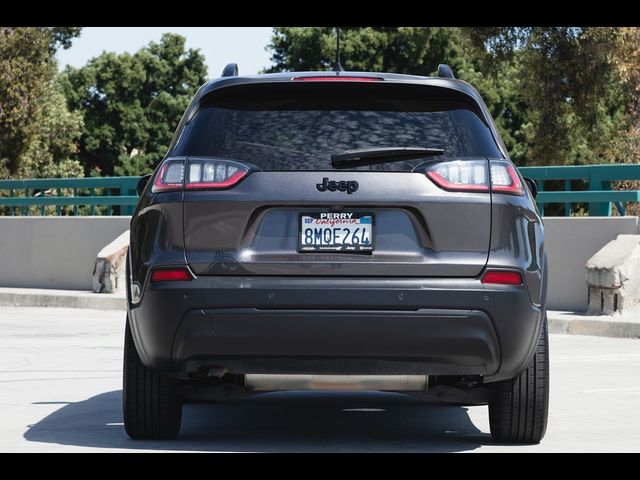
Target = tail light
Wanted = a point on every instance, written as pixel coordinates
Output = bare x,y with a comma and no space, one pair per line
170,177
171,275
501,277
476,176
203,174
214,174
461,176
504,178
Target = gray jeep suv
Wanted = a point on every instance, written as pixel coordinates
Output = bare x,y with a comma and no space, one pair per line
336,230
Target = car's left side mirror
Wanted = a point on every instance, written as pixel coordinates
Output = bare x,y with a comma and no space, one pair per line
533,187
142,183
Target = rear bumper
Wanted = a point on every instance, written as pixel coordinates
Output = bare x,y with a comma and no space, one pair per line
336,326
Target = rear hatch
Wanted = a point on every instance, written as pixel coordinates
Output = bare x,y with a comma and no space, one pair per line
263,197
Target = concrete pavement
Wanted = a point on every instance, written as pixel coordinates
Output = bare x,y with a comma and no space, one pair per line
44,297
626,325
60,381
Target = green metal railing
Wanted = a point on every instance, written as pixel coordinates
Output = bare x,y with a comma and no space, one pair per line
19,196
117,195
598,195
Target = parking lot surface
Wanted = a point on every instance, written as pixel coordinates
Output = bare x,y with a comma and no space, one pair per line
60,390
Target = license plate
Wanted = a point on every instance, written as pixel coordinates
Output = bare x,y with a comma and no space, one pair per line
336,232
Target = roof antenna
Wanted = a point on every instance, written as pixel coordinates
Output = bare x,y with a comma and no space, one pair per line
338,66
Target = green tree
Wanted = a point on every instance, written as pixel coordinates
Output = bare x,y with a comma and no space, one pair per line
37,133
131,104
51,149
418,50
626,58
61,37
412,50
571,86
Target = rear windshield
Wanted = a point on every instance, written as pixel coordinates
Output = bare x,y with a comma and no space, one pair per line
300,129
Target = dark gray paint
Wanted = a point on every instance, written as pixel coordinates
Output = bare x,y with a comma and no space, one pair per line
432,249
169,344
420,229
517,238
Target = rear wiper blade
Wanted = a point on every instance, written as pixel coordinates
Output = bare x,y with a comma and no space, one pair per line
373,156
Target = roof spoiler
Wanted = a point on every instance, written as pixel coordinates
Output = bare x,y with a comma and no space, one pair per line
231,70
444,71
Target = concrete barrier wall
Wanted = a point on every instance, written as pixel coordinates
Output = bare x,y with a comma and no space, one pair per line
570,242
54,252
59,252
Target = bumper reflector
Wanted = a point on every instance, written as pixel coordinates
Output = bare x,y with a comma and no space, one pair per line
171,275
502,278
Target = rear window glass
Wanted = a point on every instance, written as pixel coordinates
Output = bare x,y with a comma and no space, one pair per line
301,129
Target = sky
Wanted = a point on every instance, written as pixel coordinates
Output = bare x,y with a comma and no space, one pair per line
220,45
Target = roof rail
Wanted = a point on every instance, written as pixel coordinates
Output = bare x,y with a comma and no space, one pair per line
231,70
445,71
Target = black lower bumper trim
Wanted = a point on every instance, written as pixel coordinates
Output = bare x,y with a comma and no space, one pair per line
343,325
425,341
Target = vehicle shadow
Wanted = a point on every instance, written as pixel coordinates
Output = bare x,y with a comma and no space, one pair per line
277,422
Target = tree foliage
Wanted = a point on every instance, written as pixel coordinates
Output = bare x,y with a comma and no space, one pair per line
131,104
61,37
389,49
571,87
51,150
626,58
37,132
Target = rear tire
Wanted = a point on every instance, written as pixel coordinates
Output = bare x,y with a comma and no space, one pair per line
519,408
151,404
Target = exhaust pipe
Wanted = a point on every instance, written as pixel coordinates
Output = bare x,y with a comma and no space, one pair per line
268,382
